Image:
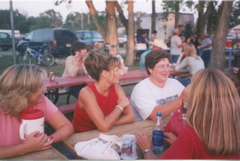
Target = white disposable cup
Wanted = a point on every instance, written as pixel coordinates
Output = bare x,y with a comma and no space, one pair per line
129,147
32,120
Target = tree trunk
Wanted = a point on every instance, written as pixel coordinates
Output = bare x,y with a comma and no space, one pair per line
111,36
218,54
94,14
210,12
201,19
130,41
153,16
121,16
176,14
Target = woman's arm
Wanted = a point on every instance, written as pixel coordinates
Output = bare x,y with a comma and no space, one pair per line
144,143
88,101
179,59
128,115
62,126
182,65
34,142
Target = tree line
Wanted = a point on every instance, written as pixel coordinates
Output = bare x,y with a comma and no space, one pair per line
47,19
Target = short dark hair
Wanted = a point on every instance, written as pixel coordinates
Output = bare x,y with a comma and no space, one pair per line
154,56
76,46
154,31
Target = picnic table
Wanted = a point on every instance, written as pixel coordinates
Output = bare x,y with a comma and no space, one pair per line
131,78
84,79
49,154
120,130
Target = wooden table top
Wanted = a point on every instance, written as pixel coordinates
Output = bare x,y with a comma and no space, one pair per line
71,81
133,128
49,154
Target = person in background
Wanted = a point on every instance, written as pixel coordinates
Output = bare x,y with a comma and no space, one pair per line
206,46
176,45
213,121
74,66
157,92
180,27
21,87
114,51
103,103
153,36
191,61
143,38
234,75
194,39
156,44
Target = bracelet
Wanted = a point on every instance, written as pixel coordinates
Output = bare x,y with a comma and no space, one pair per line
50,138
119,107
147,150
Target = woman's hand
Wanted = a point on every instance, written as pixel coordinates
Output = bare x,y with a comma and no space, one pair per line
235,69
37,141
78,59
169,137
143,141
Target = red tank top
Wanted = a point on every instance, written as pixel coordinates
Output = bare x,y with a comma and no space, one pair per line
82,122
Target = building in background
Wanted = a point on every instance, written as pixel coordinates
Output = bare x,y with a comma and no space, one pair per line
165,27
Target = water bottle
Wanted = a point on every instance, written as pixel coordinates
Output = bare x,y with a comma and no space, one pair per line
158,134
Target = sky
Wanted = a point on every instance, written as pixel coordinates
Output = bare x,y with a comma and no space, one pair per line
35,7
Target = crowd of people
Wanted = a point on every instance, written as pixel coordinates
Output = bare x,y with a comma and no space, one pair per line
213,106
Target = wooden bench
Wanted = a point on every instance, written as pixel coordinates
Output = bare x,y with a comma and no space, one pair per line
67,108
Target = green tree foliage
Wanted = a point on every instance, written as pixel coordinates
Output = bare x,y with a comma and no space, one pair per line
83,21
188,31
235,19
53,18
47,19
73,21
19,21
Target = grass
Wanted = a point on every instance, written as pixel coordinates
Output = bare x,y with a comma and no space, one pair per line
5,61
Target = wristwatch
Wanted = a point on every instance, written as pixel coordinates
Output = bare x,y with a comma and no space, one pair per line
147,150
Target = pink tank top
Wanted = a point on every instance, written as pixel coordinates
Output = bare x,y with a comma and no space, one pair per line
82,122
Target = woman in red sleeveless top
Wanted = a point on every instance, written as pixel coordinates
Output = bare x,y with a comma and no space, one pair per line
103,103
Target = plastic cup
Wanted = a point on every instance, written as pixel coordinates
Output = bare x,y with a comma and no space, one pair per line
129,147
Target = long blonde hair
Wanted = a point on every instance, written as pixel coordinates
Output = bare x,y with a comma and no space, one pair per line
190,50
214,111
17,83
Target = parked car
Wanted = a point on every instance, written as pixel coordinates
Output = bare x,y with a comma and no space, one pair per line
122,40
55,41
89,37
6,41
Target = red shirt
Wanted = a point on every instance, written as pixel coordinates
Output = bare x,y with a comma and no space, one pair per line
189,146
82,122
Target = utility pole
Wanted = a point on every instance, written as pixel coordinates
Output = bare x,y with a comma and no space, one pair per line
13,34
82,21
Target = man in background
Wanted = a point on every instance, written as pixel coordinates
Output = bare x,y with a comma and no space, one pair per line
156,44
